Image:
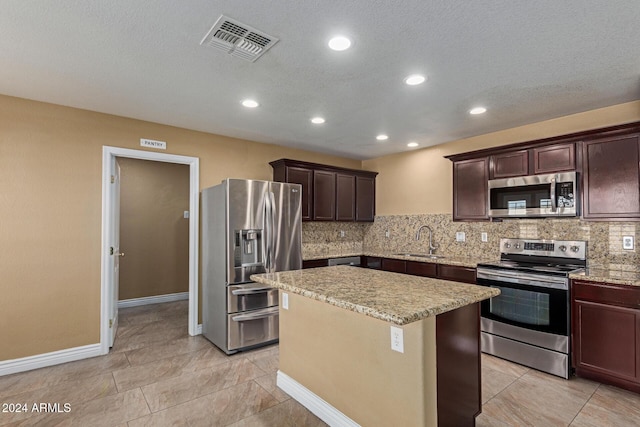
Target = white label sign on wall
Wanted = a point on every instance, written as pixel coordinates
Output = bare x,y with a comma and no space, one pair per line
160,145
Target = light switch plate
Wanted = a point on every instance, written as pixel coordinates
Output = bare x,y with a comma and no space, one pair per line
627,242
397,339
484,237
285,301
460,236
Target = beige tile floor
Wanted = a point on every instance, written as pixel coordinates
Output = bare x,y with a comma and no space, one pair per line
157,375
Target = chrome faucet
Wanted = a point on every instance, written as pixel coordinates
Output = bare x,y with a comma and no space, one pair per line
432,247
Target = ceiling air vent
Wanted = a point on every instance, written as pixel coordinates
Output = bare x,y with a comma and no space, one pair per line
238,39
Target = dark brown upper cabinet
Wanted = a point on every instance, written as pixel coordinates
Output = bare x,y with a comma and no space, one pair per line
345,197
365,198
470,190
554,158
302,176
606,160
324,195
611,177
330,193
505,165
533,161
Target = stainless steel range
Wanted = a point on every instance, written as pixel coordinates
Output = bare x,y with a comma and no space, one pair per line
529,322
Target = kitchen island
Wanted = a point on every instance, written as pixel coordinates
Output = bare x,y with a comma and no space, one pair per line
337,329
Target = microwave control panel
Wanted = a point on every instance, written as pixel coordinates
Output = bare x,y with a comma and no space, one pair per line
564,193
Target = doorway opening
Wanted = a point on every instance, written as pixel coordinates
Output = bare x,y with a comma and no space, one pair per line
110,236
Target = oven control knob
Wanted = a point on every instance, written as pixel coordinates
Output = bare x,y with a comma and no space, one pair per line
575,248
517,245
507,245
563,248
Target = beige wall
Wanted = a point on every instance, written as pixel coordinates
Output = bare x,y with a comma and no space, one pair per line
50,211
154,235
421,181
346,359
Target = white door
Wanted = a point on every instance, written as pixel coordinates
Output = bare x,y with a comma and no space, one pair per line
115,252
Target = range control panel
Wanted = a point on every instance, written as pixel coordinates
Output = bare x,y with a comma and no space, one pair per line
552,248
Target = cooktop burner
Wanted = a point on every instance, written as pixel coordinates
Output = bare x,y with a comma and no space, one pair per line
555,269
552,257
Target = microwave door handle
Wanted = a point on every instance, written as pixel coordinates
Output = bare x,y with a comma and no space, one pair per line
553,194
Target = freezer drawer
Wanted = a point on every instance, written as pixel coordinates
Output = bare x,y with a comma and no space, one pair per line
251,328
250,296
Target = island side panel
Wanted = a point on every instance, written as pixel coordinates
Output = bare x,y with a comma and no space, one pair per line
345,358
459,366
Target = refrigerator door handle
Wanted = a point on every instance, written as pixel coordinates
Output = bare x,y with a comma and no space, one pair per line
272,234
268,233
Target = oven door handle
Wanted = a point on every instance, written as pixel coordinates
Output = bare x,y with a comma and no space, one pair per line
254,316
523,279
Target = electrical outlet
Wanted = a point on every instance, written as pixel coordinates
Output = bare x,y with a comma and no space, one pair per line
342,233
285,301
397,339
386,234
460,236
484,237
627,242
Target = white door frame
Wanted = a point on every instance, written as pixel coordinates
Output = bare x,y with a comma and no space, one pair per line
108,156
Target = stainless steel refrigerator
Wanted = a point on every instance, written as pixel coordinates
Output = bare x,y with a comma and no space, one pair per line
248,227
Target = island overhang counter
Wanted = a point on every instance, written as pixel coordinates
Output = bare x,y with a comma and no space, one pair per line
337,329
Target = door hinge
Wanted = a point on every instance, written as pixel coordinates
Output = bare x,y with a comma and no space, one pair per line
113,179
110,323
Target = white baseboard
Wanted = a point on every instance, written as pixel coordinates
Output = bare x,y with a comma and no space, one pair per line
313,402
158,299
49,359
199,329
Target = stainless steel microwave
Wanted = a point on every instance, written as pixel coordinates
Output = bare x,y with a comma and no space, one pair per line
549,195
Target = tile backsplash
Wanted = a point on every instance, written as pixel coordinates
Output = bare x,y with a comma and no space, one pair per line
604,239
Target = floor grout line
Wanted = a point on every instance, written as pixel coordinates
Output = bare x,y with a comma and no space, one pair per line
585,404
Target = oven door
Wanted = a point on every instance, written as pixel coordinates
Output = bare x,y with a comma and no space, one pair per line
530,301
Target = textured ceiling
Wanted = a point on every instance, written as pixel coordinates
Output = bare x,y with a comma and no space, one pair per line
524,60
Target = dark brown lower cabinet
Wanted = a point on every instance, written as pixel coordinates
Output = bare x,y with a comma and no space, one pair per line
457,273
459,369
312,263
395,265
424,269
606,333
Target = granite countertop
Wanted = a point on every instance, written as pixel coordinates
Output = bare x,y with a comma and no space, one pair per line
392,297
618,274
450,260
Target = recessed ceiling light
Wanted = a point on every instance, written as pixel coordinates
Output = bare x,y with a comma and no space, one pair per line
478,110
415,79
250,103
339,43
382,137
317,120
412,144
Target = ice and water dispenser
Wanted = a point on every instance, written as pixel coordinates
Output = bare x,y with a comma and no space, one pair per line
248,254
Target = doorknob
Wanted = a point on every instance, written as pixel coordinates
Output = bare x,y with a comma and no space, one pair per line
112,252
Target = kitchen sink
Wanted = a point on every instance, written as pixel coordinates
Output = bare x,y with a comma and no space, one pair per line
421,255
